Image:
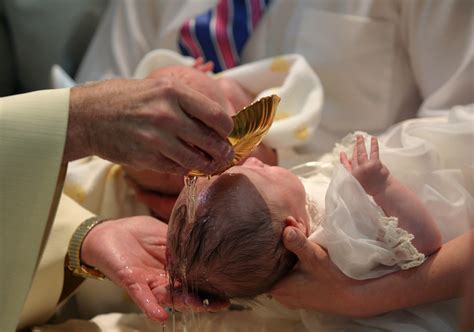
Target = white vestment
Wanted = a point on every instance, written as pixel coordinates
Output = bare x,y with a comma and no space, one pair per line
35,224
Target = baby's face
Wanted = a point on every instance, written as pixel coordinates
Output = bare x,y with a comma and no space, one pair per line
278,187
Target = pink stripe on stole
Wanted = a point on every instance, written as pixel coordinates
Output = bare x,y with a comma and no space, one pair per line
256,11
188,39
222,17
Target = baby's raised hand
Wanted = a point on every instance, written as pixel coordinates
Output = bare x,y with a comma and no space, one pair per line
368,170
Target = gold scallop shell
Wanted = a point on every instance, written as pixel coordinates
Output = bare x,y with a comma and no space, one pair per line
250,126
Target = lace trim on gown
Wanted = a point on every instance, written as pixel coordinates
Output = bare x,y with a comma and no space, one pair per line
405,254
314,213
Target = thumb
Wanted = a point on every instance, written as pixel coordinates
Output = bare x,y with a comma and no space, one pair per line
296,242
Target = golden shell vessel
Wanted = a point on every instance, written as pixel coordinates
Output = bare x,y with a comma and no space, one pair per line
250,126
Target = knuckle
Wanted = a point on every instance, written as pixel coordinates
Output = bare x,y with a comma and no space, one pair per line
376,165
191,160
147,137
166,87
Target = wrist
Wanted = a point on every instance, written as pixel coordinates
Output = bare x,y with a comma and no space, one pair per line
78,143
88,253
77,251
384,189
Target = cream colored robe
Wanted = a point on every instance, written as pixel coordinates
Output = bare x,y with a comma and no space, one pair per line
32,135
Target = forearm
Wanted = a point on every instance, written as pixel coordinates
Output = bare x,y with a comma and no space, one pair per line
398,201
441,277
77,139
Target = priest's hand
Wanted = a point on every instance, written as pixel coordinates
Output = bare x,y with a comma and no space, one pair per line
155,123
132,253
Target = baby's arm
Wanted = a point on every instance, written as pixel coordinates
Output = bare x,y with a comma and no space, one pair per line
394,198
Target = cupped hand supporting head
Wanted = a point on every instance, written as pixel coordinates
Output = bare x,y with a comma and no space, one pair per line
132,253
158,124
315,283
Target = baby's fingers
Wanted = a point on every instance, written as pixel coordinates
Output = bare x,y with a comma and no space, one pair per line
354,161
361,151
345,161
374,148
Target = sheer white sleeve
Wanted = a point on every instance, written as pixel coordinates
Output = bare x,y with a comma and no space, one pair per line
359,238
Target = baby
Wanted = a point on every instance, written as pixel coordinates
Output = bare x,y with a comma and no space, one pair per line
233,247
227,93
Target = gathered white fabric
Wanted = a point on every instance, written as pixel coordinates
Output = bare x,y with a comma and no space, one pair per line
288,76
360,239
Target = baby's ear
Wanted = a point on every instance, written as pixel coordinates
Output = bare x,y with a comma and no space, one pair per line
298,223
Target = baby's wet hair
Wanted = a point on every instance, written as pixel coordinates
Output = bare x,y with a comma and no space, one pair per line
233,247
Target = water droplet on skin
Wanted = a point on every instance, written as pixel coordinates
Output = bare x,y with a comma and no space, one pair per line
136,287
190,184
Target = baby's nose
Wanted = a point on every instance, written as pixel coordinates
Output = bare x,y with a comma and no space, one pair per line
254,162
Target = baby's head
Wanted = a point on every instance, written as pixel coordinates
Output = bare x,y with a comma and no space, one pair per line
233,245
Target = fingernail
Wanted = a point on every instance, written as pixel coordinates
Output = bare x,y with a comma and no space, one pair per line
291,235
